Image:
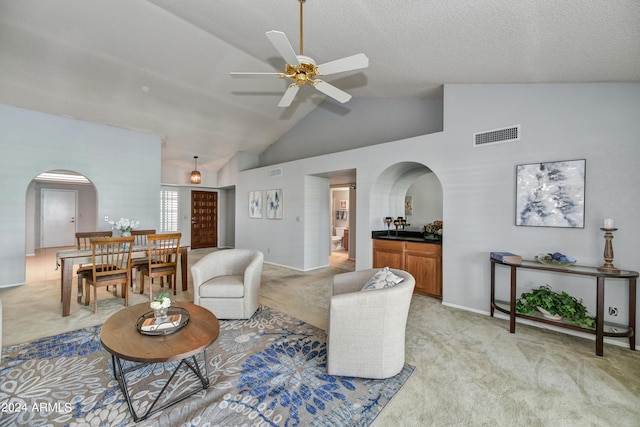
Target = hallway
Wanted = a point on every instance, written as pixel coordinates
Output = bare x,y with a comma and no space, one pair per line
340,259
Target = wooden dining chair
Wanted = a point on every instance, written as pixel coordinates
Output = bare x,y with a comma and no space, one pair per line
83,238
110,257
83,242
162,260
140,237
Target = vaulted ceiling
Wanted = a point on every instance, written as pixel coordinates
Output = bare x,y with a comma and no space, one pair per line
162,66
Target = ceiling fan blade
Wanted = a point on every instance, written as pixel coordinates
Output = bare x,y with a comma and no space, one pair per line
282,45
255,75
337,94
354,62
288,96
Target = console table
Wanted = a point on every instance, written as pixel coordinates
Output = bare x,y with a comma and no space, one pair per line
602,329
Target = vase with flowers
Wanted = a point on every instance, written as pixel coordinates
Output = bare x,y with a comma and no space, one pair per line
433,231
160,305
125,226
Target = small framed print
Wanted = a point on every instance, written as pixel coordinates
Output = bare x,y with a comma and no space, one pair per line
551,194
255,204
274,204
408,206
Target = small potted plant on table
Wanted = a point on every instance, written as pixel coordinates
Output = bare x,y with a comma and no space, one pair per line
555,306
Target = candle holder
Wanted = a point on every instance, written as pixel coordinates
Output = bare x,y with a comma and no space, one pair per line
388,220
401,222
608,266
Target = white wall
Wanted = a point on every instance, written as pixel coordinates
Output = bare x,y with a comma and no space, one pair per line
596,122
360,123
281,240
316,213
227,222
123,165
426,193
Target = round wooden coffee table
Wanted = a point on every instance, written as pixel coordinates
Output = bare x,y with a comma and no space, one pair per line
121,338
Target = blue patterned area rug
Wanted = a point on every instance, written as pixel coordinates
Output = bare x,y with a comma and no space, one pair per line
269,370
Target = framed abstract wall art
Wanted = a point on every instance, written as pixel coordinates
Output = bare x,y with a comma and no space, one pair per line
551,194
255,204
274,204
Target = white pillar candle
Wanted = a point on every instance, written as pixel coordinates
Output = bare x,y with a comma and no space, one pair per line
608,223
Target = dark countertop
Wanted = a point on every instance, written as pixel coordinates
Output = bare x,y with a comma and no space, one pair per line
403,236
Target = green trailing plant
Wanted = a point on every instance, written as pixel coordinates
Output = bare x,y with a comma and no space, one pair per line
560,304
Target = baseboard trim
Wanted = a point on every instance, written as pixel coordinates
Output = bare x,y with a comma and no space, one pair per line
499,315
294,268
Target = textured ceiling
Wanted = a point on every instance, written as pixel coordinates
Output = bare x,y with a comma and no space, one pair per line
162,66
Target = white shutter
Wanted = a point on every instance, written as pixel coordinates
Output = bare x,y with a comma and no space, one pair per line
168,211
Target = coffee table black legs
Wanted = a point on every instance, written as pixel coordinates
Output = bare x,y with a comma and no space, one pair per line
192,363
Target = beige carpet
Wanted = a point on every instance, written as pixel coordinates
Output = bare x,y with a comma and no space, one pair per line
269,370
469,369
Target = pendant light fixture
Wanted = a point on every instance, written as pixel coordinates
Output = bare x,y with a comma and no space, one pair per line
195,175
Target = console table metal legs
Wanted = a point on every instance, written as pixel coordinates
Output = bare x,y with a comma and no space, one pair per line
601,330
192,363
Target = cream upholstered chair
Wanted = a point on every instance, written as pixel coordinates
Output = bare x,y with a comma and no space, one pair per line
366,330
227,282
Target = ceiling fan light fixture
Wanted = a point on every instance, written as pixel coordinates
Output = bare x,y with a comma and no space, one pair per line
196,178
303,69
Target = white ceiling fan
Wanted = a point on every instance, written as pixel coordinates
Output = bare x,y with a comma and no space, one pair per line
303,69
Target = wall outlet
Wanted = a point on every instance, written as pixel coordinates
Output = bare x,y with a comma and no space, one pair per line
106,217
613,311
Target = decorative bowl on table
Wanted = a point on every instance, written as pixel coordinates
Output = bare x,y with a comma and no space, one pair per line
548,315
555,259
176,318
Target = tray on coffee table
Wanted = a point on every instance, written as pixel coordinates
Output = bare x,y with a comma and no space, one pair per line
177,318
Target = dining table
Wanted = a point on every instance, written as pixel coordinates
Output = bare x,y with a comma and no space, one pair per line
66,259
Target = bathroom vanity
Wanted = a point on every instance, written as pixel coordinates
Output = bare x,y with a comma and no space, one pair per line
411,252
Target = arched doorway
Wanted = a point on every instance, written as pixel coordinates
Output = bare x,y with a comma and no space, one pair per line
47,199
399,181
412,192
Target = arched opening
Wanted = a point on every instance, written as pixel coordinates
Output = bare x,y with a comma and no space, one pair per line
398,182
411,194
58,204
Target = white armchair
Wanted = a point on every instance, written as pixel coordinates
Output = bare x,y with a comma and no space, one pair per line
227,282
366,334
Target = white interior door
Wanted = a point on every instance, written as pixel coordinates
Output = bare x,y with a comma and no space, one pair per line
58,218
